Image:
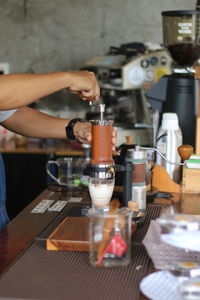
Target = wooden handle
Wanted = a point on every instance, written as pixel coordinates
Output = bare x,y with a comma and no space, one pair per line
129,140
197,72
185,151
114,205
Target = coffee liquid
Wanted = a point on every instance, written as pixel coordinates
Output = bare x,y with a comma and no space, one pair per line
101,144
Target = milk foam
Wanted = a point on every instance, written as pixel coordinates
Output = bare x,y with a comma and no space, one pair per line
101,193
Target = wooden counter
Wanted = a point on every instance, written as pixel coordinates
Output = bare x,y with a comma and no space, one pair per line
21,232
58,147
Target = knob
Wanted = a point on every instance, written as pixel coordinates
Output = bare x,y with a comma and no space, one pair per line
185,151
129,140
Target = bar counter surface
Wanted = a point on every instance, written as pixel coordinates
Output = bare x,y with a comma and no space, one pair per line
21,232
25,165
44,146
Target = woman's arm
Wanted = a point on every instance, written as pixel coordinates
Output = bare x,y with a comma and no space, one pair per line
18,90
32,123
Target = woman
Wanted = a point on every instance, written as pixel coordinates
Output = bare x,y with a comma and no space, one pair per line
19,90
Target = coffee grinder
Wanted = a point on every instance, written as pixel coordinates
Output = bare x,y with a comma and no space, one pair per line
178,92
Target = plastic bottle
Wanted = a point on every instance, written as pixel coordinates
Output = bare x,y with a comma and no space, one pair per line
169,138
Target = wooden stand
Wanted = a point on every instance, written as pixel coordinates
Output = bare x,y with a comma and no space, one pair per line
162,181
72,234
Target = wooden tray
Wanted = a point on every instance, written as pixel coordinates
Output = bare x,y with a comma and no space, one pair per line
72,234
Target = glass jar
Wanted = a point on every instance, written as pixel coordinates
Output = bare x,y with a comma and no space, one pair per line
190,289
181,230
184,269
110,237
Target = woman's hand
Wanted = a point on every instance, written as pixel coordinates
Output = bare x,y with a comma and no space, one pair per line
82,131
85,85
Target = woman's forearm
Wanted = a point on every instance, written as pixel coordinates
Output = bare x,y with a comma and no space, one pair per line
18,90
32,123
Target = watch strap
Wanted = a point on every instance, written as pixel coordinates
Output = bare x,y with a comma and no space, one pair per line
70,128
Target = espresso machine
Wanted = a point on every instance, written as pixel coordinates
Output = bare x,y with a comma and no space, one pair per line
178,92
124,73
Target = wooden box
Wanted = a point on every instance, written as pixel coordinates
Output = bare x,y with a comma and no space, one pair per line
197,145
190,204
191,180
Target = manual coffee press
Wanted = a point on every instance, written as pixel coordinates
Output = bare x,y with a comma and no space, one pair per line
102,167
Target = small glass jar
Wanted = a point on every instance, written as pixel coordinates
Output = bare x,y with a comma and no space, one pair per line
181,230
110,237
190,289
184,269
173,222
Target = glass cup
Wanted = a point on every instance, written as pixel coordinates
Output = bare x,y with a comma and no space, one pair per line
180,230
68,171
101,190
110,237
190,289
184,269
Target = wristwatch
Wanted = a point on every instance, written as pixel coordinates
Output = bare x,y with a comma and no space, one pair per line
70,129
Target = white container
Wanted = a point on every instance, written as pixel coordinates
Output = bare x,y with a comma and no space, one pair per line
168,140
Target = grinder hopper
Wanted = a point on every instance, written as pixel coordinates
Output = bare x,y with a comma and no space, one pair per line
181,36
